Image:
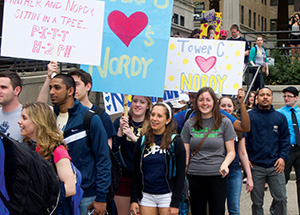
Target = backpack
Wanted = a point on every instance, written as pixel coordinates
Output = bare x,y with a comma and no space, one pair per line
188,114
171,151
116,172
31,181
70,205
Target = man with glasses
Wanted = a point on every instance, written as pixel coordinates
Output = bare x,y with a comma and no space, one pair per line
292,113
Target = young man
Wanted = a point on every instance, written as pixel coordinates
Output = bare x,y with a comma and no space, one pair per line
10,112
83,83
292,114
91,158
236,35
258,57
268,145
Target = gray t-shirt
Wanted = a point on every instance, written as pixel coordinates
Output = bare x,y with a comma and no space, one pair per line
208,159
9,123
260,56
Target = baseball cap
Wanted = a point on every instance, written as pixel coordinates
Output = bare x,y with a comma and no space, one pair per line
184,97
291,90
223,33
177,105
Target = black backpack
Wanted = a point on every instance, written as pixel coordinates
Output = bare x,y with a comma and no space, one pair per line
31,181
116,172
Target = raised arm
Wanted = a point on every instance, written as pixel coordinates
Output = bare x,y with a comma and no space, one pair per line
43,95
244,124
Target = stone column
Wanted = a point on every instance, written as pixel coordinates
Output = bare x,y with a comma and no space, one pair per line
231,14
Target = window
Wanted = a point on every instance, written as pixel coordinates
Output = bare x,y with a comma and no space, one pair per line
265,24
250,18
291,2
254,20
258,20
273,24
273,2
242,14
265,2
262,23
182,20
199,7
175,18
262,1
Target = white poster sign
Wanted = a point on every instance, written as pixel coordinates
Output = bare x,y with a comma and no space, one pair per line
196,63
31,27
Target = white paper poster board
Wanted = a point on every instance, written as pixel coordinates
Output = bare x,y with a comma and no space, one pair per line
30,28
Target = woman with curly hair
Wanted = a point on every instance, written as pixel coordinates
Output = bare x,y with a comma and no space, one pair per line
38,126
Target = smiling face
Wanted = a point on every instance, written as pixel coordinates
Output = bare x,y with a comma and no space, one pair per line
139,106
227,105
205,104
264,98
28,128
158,119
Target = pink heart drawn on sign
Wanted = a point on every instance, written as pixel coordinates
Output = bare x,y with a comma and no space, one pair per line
127,28
205,64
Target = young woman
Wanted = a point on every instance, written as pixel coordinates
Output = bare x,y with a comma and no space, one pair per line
294,24
211,30
38,124
251,100
129,129
208,168
159,166
235,174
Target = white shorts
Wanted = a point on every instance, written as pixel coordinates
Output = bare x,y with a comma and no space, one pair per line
156,200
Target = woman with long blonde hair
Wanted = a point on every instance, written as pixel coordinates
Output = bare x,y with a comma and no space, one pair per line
38,126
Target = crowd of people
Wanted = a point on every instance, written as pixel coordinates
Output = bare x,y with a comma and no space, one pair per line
204,143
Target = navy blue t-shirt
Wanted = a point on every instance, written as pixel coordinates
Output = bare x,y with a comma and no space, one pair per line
154,168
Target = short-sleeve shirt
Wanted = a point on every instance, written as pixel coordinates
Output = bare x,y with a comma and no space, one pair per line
9,123
208,159
59,153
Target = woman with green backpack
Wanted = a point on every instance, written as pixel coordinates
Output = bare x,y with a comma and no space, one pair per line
159,166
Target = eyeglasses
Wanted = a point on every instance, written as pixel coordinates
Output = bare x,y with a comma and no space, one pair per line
288,96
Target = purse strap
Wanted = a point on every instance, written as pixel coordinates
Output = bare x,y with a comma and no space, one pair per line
199,146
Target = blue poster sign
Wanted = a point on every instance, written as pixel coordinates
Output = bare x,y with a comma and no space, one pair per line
134,48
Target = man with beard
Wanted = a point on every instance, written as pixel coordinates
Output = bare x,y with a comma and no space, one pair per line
268,145
10,110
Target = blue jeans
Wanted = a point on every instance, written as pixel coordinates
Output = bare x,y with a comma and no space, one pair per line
234,192
84,203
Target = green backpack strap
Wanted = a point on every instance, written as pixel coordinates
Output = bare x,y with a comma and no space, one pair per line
172,163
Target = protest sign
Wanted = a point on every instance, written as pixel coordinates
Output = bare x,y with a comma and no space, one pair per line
30,28
113,102
135,45
195,63
215,20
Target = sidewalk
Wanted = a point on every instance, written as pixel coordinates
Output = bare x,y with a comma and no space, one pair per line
292,205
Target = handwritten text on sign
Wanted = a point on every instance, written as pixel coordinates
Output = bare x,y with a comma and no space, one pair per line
135,44
30,28
196,63
114,102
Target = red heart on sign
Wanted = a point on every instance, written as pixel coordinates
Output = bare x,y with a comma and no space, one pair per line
205,25
205,64
127,28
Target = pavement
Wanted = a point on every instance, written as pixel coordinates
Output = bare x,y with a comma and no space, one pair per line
292,204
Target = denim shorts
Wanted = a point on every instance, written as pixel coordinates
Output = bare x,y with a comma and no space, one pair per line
156,200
